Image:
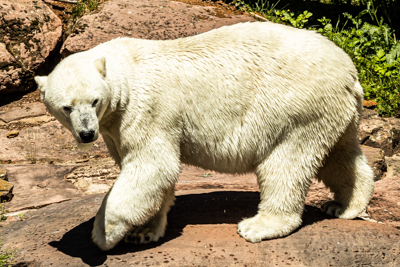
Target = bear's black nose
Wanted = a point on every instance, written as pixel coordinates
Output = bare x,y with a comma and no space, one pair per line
87,136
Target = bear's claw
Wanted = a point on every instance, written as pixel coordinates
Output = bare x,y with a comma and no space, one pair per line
141,235
332,208
336,209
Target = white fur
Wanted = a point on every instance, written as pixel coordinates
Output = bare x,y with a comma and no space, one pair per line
262,97
84,147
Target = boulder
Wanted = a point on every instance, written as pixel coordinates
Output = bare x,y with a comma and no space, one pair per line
378,132
146,19
29,33
376,159
6,189
385,203
393,166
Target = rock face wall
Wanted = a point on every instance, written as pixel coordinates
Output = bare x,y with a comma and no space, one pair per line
29,32
145,19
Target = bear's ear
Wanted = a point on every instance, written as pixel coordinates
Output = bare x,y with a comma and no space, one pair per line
100,65
41,82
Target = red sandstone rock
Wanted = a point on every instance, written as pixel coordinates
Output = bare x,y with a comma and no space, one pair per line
376,160
147,19
201,232
393,166
385,203
50,142
383,133
29,32
36,186
24,111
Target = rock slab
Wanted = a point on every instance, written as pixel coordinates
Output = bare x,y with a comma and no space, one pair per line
46,143
37,186
24,111
201,232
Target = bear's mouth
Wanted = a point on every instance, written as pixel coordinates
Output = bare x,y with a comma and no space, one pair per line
84,146
87,136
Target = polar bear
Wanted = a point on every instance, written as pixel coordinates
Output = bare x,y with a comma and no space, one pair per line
254,97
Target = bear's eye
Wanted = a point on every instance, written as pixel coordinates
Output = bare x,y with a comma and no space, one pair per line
67,109
95,102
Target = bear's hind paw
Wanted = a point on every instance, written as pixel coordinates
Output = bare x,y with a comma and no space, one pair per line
267,226
336,209
141,235
332,208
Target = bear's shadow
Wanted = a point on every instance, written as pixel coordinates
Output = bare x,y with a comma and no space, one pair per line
227,207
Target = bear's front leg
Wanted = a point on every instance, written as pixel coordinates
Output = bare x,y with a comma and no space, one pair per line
154,229
136,197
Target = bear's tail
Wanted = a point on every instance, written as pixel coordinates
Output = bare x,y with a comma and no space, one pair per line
359,95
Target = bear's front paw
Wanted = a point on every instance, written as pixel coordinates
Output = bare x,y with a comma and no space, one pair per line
142,235
151,231
265,226
107,234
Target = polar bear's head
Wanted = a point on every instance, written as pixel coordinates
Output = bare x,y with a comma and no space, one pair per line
77,95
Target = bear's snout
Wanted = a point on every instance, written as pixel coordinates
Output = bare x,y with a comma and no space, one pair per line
87,136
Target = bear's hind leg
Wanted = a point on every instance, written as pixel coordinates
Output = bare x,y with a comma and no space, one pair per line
154,229
348,175
284,179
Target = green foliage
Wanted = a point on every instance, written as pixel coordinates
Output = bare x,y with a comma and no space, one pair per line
6,257
239,3
286,16
84,6
2,212
376,54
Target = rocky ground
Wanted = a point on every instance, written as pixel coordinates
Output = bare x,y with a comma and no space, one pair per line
55,189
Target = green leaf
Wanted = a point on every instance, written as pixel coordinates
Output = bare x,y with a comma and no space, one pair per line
381,53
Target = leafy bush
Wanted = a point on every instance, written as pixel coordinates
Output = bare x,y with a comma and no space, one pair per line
84,6
6,257
376,55
299,22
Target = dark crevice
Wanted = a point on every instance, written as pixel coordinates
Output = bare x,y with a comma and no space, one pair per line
52,60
